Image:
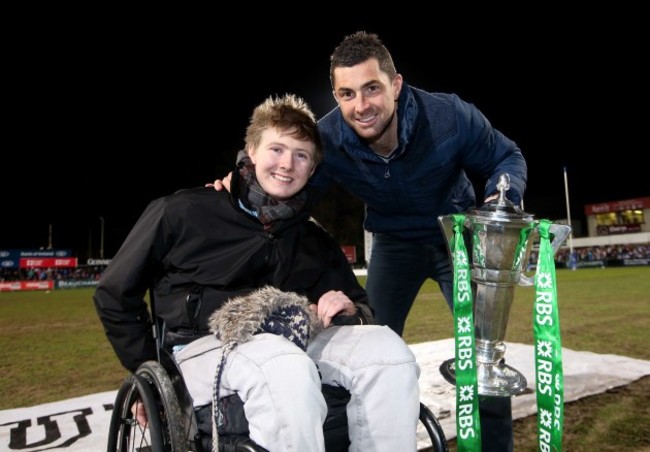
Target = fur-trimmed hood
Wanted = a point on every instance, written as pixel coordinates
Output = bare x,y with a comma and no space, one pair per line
242,317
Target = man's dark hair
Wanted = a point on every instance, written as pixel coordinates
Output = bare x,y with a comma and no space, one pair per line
357,48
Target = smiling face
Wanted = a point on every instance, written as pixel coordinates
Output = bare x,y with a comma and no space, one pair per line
283,163
367,98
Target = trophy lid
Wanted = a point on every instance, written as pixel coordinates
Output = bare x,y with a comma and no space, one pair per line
502,209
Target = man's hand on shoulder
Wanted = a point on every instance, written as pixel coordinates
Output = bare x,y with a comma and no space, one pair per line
220,184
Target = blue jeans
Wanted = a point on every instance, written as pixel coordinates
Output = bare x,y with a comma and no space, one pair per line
396,272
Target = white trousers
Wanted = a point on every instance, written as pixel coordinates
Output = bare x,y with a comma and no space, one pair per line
280,386
380,371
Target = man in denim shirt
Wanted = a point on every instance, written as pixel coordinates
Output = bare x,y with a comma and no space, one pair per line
407,154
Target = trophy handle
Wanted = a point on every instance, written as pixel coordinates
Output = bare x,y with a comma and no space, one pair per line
446,223
560,233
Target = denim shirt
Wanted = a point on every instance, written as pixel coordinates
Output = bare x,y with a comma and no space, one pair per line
442,141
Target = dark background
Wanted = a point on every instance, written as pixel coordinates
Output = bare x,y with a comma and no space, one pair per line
101,116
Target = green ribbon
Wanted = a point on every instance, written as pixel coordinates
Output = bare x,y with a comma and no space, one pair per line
468,426
548,348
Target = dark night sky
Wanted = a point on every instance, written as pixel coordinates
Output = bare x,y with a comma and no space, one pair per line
100,119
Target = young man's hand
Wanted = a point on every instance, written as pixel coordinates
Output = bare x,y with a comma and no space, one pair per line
140,415
331,304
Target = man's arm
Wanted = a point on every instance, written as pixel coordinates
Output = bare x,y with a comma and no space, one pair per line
487,152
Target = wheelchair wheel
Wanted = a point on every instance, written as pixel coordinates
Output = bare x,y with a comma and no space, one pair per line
434,429
165,431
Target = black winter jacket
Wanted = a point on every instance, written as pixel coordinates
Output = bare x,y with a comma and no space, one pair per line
197,248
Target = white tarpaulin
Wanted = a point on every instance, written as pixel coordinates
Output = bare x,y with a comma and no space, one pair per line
585,374
81,424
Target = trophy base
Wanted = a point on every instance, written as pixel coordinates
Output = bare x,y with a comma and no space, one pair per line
496,380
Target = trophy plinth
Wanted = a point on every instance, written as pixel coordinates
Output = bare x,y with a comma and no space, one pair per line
494,378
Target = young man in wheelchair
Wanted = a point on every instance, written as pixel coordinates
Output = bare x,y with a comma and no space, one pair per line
259,300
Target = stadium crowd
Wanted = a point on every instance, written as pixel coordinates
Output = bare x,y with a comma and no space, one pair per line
602,255
80,273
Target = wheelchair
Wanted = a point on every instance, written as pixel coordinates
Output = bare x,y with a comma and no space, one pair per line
175,425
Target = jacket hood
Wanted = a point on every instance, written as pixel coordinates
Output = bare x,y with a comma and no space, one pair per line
265,310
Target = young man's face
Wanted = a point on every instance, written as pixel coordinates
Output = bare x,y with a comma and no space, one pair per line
283,164
366,97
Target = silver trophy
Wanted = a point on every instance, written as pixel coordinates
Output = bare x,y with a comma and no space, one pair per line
499,238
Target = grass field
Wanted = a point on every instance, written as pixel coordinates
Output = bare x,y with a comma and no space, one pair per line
54,348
